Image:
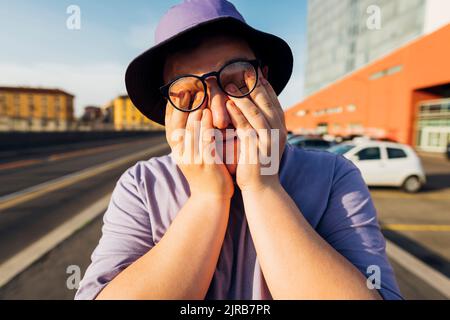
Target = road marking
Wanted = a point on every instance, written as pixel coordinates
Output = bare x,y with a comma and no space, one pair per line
83,152
416,227
433,278
28,194
26,257
19,164
443,194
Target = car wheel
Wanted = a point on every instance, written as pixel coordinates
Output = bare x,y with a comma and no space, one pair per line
412,184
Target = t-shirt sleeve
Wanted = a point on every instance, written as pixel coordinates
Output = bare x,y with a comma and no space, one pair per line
350,225
126,236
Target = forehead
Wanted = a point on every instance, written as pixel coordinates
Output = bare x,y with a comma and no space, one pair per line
211,54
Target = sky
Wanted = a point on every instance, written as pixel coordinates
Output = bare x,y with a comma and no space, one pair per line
37,49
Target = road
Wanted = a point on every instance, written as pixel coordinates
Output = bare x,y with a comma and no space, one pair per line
26,222
420,222
408,220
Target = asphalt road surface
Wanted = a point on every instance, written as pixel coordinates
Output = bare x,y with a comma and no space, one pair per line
28,221
420,223
406,218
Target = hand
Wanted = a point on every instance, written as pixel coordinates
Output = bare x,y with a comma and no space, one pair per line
191,138
260,113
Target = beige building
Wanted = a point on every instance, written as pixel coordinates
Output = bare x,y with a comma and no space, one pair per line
35,109
125,116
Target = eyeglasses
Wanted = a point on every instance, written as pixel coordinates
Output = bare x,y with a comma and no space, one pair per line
188,92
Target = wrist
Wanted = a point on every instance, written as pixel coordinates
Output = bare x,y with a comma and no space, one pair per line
209,208
268,183
210,197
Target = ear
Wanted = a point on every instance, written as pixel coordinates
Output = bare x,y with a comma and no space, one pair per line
265,71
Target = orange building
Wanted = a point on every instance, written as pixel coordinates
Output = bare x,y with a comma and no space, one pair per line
35,109
403,96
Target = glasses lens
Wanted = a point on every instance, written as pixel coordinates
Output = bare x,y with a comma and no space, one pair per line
237,73
187,93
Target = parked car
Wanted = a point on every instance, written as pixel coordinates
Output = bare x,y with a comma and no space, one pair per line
385,163
310,143
290,134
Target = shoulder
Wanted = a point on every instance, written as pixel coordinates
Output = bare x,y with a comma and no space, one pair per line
160,169
158,182
314,178
320,166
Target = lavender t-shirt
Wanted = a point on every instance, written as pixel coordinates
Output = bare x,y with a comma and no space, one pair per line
327,188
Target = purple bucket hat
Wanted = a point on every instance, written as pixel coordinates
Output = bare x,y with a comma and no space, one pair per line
144,75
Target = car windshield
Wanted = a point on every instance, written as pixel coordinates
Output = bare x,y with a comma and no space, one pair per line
341,148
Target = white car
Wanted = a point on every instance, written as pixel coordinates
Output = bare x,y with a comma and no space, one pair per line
385,163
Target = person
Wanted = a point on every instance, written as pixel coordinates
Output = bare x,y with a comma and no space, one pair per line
208,223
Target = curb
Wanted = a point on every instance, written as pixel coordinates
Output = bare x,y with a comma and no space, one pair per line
433,278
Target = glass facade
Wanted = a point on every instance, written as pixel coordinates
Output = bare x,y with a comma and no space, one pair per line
434,125
341,37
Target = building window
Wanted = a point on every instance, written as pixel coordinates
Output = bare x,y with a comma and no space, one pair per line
350,65
334,110
44,101
16,105
2,104
352,47
434,108
394,70
301,113
355,128
319,113
57,106
322,128
31,108
44,108
386,72
351,108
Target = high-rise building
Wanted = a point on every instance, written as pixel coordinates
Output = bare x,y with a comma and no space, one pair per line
35,109
344,35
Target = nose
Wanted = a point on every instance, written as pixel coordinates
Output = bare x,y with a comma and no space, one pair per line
217,100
